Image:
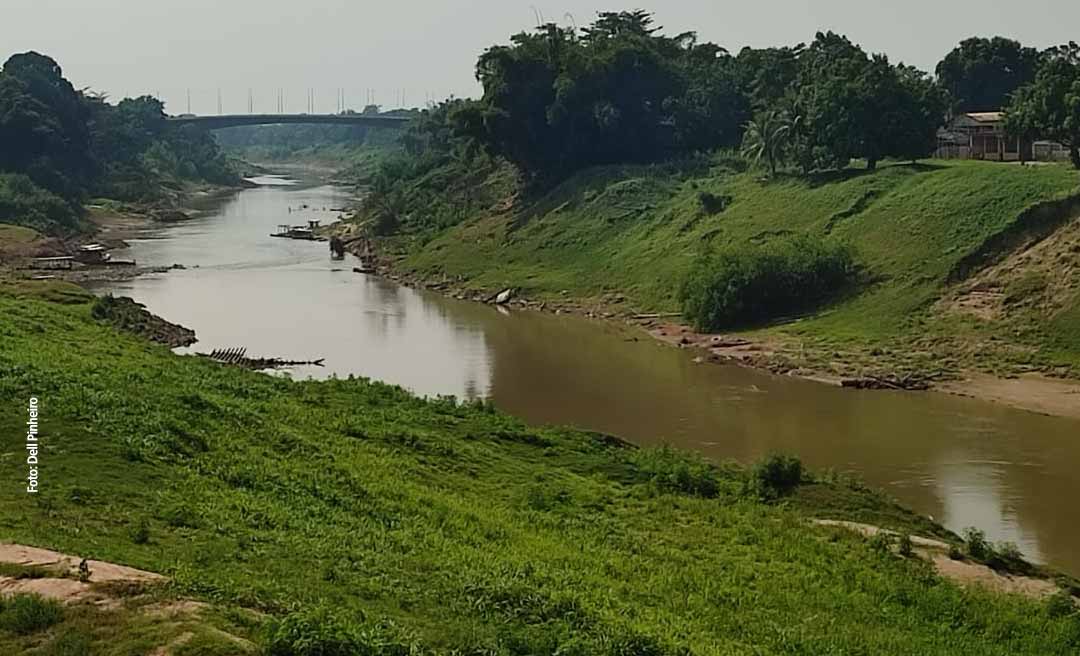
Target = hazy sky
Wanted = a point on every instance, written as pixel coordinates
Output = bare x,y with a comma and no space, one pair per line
427,49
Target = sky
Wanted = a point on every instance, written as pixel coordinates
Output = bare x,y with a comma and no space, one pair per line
404,52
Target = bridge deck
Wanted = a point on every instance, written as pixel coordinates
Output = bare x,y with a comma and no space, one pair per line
234,120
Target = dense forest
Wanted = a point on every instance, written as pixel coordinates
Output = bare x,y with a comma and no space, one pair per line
61,145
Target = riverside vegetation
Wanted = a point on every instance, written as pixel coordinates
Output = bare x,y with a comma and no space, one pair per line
826,235
348,516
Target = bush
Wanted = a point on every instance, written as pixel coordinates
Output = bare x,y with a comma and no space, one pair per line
676,471
977,546
775,476
906,548
26,613
1060,604
759,282
712,203
25,204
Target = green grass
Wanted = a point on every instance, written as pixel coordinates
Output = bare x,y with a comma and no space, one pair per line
439,526
14,234
637,231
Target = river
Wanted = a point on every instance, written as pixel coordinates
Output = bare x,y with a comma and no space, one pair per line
1011,473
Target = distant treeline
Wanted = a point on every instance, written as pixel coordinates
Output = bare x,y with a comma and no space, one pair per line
559,99
63,145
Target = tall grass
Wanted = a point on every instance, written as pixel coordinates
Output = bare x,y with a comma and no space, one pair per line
23,614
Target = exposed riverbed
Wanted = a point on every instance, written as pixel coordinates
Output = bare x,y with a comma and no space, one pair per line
965,462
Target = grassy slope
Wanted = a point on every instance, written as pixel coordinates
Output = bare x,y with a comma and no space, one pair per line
462,526
636,230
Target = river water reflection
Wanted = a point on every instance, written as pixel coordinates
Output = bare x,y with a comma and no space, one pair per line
965,462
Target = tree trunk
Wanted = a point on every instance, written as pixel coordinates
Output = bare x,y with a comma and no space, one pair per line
871,163
1074,156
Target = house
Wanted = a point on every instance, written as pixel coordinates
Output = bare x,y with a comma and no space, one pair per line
981,135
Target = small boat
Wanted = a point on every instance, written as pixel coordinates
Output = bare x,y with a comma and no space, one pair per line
297,232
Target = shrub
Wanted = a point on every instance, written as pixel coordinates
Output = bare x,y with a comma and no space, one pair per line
1060,604
712,203
676,471
24,203
905,546
775,476
1007,557
759,282
140,532
26,613
977,546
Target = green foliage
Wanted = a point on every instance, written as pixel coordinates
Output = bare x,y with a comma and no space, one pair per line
747,284
981,74
43,126
1061,604
356,496
72,143
767,138
23,203
320,631
977,545
24,614
906,548
853,105
1050,106
713,203
775,476
676,471
557,100
71,643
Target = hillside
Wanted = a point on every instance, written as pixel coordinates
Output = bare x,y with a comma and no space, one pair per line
920,234
370,520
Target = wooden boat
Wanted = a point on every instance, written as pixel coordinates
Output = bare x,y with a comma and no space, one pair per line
295,232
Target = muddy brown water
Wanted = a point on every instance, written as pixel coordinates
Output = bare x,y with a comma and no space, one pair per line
1011,473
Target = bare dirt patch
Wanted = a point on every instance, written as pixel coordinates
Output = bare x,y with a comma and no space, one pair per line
67,566
1042,275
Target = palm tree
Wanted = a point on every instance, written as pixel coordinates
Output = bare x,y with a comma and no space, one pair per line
767,138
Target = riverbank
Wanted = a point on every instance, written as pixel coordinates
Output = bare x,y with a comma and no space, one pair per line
436,526
930,240
111,224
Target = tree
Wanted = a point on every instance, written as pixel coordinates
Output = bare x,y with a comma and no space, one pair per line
831,102
1050,106
980,74
766,138
556,100
767,76
44,125
922,111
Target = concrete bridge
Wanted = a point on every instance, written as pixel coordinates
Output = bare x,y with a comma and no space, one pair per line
234,120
